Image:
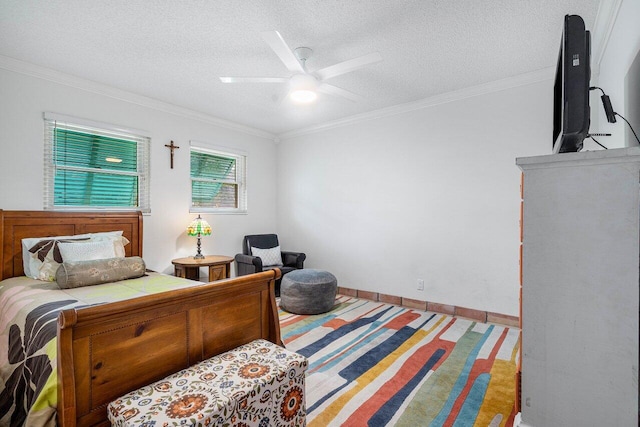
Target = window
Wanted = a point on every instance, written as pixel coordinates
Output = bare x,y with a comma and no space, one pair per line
218,181
94,166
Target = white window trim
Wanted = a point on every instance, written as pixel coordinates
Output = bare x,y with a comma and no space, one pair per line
204,147
62,118
49,167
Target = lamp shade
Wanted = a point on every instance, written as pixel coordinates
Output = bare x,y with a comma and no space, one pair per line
199,227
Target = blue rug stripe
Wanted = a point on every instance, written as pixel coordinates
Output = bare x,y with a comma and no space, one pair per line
354,346
374,331
472,403
376,354
462,380
339,333
324,318
307,327
388,410
372,357
325,398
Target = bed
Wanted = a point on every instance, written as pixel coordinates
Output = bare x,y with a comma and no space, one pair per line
102,347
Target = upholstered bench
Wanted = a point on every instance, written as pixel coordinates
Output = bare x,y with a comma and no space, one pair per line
308,291
257,384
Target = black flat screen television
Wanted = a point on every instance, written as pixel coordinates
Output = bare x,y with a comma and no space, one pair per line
571,90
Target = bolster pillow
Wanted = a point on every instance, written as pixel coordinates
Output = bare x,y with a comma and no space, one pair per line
86,273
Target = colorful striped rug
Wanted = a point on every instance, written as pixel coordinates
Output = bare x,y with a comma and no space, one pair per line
377,364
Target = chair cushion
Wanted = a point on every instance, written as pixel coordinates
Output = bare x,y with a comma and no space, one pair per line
263,241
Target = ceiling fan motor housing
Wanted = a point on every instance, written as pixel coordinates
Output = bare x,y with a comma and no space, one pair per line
303,53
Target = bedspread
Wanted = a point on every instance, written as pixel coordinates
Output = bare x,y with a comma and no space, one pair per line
28,312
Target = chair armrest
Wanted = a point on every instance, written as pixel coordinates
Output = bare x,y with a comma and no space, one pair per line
247,264
293,259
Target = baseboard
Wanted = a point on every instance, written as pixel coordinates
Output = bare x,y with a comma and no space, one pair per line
451,310
517,422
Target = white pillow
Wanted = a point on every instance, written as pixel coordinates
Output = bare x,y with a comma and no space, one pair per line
116,238
270,257
45,268
87,251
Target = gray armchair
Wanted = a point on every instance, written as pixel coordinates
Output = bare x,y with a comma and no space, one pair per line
246,263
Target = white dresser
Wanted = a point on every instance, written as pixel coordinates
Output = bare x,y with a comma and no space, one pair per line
580,278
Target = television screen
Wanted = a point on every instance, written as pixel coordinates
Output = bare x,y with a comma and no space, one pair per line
571,90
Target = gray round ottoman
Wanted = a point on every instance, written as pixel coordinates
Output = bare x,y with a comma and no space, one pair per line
308,291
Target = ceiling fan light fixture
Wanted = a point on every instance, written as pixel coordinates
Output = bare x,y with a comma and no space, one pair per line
303,89
303,96
304,86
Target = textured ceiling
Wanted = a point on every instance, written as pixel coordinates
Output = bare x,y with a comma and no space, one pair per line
174,51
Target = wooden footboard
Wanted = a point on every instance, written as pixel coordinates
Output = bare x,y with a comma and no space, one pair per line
107,350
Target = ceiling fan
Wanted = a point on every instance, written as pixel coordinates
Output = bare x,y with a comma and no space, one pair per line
304,85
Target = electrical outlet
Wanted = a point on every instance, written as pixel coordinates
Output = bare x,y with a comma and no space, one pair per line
420,285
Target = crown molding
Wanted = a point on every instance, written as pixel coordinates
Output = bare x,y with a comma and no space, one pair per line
602,28
21,67
495,86
15,65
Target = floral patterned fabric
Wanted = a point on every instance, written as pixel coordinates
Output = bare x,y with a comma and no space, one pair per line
258,384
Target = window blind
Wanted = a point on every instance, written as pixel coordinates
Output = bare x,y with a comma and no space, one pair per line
89,167
217,181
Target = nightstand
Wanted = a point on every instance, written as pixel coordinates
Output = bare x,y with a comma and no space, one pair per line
189,268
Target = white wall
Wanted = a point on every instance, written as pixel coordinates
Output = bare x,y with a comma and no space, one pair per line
23,99
622,48
431,194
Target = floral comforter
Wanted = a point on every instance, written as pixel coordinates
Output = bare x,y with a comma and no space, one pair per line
28,313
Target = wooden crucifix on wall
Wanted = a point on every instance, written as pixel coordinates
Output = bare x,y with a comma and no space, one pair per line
172,148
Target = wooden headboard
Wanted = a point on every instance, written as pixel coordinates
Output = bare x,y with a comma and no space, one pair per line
17,225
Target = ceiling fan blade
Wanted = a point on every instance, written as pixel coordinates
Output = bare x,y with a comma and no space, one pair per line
336,91
348,66
277,43
253,79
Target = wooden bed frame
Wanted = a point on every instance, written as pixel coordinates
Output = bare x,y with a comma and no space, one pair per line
107,350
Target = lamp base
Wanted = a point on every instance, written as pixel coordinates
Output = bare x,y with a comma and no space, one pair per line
199,254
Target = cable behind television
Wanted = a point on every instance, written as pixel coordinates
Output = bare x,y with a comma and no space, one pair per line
611,114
